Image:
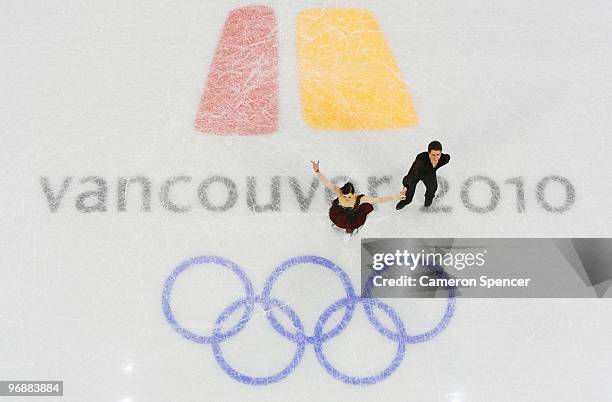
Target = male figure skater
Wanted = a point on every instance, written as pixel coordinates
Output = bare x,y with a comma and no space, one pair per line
424,168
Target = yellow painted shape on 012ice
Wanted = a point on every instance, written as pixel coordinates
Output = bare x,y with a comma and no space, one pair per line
349,79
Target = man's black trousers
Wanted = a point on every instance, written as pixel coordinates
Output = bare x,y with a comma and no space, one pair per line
431,186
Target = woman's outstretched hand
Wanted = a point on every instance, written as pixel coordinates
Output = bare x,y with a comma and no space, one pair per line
315,166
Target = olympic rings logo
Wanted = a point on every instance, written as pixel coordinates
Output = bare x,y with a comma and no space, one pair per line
271,305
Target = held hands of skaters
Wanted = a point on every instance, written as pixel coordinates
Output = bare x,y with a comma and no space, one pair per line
350,209
401,196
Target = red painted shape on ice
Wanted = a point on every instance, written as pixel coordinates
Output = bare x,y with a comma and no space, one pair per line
241,95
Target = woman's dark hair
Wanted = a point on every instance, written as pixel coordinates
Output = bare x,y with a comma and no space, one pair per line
434,145
348,188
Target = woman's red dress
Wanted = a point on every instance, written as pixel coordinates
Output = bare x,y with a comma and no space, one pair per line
350,218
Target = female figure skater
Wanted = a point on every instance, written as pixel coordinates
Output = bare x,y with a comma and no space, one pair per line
349,211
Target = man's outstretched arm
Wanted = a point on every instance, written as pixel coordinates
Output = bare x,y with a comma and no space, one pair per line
413,173
444,159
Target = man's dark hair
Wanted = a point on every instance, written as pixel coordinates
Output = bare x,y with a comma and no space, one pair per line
434,145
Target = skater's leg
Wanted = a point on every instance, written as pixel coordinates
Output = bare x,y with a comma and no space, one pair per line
431,185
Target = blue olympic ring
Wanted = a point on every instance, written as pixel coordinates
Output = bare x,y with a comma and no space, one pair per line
305,259
425,336
299,337
248,287
373,379
216,344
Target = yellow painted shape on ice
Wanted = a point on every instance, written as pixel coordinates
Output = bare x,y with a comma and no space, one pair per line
349,79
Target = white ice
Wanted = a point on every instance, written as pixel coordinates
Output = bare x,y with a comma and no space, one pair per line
110,89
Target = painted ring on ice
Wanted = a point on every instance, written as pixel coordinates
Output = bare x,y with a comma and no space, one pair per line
368,380
305,259
192,336
422,337
243,378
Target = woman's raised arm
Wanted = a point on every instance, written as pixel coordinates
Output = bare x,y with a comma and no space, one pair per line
324,180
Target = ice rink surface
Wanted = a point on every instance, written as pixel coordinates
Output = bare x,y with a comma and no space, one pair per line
111,89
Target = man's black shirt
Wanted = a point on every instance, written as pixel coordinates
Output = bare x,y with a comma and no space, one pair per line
422,167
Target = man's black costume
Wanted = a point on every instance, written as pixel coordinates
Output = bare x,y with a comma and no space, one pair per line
422,169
